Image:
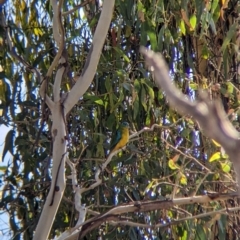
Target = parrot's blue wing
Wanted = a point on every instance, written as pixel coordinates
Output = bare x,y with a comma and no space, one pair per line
116,139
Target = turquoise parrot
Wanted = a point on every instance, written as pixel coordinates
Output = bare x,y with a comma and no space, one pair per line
121,138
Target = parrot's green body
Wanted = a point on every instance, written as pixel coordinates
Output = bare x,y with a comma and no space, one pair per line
121,138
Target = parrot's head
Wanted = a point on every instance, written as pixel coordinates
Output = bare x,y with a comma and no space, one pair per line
125,124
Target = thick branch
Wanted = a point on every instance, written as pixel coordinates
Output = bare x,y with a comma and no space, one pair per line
145,206
58,174
58,132
84,81
58,33
210,116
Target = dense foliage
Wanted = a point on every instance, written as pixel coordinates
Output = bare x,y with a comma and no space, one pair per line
199,40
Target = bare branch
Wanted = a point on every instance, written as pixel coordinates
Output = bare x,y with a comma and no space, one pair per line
78,203
84,81
43,94
58,131
174,222
210,116
57,83
58,33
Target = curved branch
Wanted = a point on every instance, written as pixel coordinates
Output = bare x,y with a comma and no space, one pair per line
58,33
84,81
145,206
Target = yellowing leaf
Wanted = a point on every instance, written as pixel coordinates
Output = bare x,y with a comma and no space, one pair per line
205,52
182,27
193,22
193,85
230,88
148,186
37,31
99,102
172,165
183,179
226,167
216,156
2,91
224,156
204,83
216,143
216,176
23,6
68,87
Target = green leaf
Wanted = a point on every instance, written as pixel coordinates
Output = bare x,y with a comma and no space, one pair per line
127,86
133,234
144,37
8,146
94,99
216,14
230,88
143,98
168,39
214,5
135,107
109,89
148,89
122,54
200,6
205,52
152,36
161,38
212,25
230,34
222,223
136,195
137,85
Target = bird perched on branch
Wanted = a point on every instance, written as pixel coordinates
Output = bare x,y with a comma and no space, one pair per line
121,138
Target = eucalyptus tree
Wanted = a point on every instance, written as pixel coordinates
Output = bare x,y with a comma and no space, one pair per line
72,71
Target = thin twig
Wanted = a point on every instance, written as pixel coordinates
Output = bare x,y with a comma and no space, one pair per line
77,7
